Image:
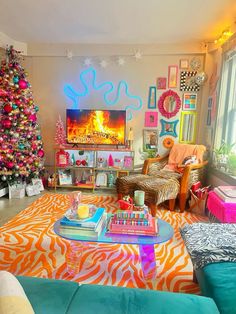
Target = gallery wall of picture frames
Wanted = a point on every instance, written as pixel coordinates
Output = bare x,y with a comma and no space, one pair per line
175,95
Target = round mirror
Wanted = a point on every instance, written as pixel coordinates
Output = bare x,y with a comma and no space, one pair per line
169,104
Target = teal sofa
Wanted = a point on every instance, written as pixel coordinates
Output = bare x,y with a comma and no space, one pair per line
49,296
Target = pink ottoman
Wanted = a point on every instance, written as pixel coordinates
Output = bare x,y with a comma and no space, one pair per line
224,212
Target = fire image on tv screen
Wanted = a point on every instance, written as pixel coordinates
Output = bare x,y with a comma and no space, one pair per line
96,126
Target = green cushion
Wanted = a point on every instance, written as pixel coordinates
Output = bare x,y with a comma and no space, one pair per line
94,299
48,296
218,281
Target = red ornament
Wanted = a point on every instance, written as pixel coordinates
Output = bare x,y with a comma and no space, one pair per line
7,108
6,123
78,162
3,93
22,84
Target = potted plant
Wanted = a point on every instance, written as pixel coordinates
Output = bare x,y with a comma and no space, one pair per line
232,163
222,154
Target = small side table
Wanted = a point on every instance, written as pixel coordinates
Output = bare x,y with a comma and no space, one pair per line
224,212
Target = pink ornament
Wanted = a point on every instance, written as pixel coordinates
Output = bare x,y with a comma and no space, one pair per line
32,118
40,153
22,84
10,164
27,111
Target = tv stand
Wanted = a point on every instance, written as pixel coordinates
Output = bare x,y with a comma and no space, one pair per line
96,168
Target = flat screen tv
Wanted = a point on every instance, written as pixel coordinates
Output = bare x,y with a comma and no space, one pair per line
97,127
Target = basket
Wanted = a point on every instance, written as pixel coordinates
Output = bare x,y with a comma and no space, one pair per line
198,205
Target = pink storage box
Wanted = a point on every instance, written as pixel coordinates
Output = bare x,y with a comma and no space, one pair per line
224,212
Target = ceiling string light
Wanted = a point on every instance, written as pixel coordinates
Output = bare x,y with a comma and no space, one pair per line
225,35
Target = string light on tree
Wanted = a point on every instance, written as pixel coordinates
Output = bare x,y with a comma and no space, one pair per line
21,148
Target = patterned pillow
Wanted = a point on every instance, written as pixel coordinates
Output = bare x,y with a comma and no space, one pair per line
13,299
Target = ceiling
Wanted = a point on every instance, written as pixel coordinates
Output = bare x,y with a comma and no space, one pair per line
115,22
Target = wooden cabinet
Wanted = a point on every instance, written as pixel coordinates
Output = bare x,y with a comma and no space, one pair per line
91,168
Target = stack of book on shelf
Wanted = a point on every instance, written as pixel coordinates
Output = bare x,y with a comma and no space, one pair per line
89,227
226,193
132,223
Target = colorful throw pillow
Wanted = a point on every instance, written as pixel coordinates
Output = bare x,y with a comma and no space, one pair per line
13,299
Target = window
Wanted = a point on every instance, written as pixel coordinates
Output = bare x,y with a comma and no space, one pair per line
226,120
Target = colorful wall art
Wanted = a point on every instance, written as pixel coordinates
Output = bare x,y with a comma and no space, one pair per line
189,101
161,83
172,76
169,104
168,127
188,127
150,139
187,81
151,118
152,98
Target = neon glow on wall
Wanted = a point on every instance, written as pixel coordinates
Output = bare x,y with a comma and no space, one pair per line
108,90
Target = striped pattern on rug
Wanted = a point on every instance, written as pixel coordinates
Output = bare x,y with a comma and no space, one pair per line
29,247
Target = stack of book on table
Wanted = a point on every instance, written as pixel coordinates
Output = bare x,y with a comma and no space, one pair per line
133,223
89,227
227,193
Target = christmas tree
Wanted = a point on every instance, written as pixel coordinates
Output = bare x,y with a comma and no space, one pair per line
60,137
21,148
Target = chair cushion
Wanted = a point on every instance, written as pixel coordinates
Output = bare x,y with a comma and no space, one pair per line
13,299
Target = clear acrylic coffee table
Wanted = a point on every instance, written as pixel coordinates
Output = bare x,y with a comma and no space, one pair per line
146,245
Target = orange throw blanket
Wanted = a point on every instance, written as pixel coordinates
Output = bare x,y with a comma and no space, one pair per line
181,151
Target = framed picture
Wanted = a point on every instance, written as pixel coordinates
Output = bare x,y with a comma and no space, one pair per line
101,179
128,162
188,127
169,127
188,81
161,83
122,173
152,98
151,119
62,158
190,101
65,177
172,76
184,64
150,139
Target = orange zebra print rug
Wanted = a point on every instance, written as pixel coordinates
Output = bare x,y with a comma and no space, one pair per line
29,247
